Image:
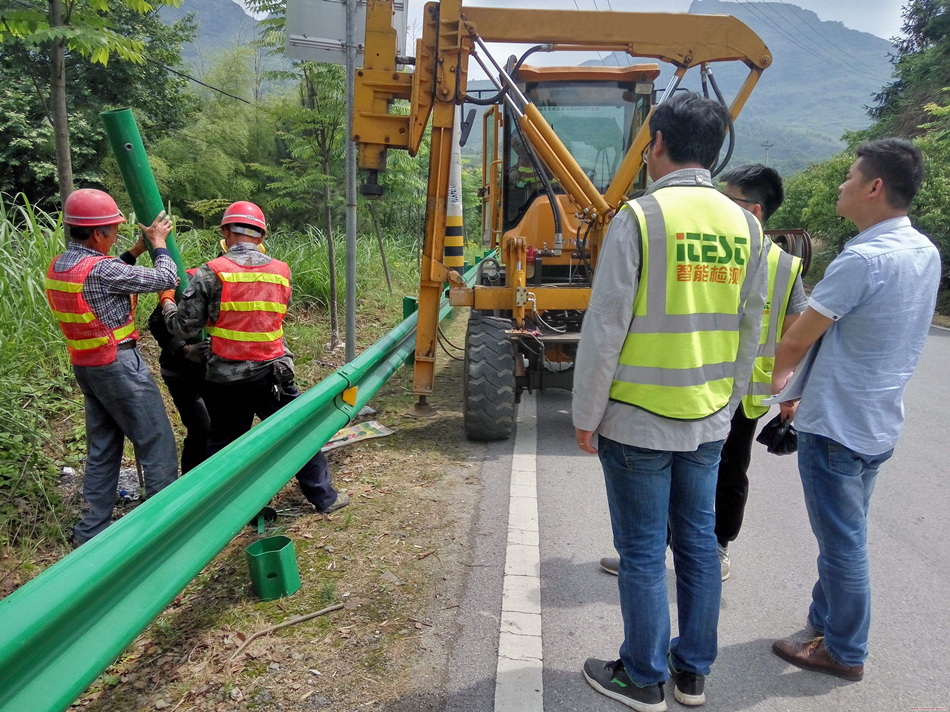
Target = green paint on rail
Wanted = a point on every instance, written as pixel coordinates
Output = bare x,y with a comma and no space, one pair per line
63,628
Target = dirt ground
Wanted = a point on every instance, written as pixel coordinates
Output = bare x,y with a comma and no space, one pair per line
395,558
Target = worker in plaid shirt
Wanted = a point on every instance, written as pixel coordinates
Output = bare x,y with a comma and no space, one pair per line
92,296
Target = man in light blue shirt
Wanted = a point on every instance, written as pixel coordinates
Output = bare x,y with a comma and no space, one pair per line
872,312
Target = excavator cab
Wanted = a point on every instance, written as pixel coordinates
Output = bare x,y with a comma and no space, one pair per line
595,111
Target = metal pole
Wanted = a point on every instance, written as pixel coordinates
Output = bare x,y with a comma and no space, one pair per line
136,172
454,250
767,145
350,352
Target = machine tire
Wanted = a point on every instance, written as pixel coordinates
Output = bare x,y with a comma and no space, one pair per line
488,379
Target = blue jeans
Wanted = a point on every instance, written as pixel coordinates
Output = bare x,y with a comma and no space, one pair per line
838,483
646,489
122,401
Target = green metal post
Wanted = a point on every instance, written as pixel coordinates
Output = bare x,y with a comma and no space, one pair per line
126,142
410,305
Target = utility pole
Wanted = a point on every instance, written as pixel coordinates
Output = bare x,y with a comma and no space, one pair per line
767,145
350,350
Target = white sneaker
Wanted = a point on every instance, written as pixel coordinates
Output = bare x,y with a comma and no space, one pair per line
724,563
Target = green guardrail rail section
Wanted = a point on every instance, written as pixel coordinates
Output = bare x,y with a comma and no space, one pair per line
63,628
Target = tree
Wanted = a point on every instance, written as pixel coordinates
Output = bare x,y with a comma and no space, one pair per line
921,69
80,26
160,99
311,132
311,135
810,199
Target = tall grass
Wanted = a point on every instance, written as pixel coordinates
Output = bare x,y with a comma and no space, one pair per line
35,379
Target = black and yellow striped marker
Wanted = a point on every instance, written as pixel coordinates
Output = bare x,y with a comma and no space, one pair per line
454,243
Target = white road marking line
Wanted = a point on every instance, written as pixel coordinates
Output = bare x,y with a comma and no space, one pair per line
518,685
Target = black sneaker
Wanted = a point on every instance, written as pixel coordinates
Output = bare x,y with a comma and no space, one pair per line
687,686
611,679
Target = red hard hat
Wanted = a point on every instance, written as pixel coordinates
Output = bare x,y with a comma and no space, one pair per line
244,212
88,207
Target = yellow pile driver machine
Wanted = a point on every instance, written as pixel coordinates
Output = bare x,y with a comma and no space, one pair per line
562,153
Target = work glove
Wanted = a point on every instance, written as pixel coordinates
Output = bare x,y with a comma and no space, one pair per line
166,295
198,353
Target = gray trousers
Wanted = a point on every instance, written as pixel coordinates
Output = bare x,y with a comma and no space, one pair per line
122,401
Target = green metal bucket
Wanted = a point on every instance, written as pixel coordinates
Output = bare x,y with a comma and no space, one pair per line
273,566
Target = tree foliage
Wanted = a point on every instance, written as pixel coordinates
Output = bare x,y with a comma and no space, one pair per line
160,99
921,69
87,29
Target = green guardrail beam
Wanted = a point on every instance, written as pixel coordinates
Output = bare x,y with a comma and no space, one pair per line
129,152
62,629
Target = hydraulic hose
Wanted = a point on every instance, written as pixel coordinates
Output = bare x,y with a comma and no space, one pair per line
499,97
732,127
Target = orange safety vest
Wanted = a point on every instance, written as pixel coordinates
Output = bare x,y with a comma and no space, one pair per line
254,301
89,341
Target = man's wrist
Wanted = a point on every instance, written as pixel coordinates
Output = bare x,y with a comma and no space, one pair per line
162,251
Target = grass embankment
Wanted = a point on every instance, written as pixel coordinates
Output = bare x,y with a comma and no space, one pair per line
41,419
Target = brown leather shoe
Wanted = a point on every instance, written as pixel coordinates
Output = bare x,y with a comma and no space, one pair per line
813,656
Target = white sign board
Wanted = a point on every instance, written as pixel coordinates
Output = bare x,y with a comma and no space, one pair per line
316,29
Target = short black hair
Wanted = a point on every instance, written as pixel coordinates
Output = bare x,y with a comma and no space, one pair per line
81,232
898,163
693,128
760,184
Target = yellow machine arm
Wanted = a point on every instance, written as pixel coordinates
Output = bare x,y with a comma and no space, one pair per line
452,34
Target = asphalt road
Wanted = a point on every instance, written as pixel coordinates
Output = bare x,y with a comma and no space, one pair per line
766,597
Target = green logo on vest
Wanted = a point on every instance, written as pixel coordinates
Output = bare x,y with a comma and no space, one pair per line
711,249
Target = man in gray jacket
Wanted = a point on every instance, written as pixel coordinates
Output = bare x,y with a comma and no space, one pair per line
666,353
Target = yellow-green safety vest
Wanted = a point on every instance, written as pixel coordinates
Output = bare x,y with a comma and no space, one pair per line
783,271
698,249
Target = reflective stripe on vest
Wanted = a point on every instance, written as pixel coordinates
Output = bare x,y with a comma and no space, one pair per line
89,341
254,277
783,271
253,304
697,250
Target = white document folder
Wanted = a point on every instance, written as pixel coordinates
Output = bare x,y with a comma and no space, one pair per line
796,383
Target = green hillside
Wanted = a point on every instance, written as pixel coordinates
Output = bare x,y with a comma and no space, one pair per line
222,24
823,77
